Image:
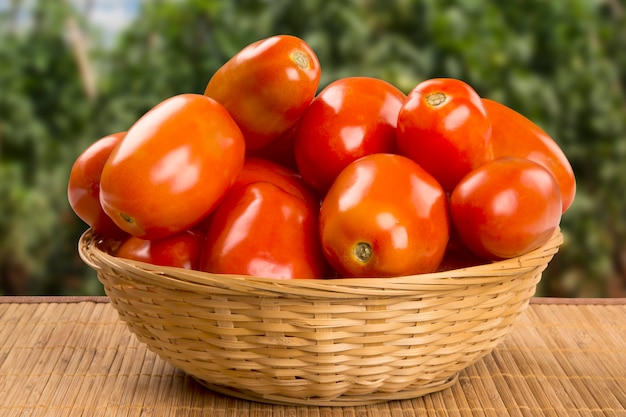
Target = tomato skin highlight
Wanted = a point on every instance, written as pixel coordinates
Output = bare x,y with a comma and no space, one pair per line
267,86
181,250
443,126
83,190
350,118
506,208
384,216
515,135
261,230
172,168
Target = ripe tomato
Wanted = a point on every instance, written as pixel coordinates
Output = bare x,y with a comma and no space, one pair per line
83,188
514,135
443,126
174,165
350,118
457,254
280,151
267,86
262,230
258,169
506,207
181,250
384,216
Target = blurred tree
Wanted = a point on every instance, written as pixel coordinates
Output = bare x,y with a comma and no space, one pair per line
555,62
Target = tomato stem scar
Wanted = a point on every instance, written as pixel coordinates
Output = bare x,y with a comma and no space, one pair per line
301,59
127,218
435,99
362,251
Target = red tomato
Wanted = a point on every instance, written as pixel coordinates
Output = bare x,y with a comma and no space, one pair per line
181,250
505,208
514,135
261,230
457,254
443,127
352,117
83,189
258,169
267,86
172,168
280,151
384,216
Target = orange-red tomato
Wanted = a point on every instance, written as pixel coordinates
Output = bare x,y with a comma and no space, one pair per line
506,207
267,86
384,216
350,118
259,229
280,151
443,127
259,169
181,250
83,188
515,135
172,167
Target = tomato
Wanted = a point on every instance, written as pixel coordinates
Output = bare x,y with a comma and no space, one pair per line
172,168
83,189
280,151
384,216
506,207
267,86
181,250
258,169
350,118
443,126
457,254
515,135
259,229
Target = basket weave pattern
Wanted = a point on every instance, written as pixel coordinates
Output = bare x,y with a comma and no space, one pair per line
322,342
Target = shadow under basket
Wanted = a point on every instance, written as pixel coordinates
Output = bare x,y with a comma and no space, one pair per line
329,342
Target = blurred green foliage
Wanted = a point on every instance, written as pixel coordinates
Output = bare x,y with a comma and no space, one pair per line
559,63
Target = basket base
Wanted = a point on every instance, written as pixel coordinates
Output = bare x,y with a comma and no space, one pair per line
341,401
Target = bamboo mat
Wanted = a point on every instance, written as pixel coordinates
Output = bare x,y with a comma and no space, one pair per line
73,357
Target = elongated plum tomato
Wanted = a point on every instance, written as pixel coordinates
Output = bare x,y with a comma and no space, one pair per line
515,135
259,229
172,168
350,118
443,126
384,216
181,250
83,188
262,170
506,208
267,86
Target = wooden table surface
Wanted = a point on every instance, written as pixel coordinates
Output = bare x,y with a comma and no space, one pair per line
72,356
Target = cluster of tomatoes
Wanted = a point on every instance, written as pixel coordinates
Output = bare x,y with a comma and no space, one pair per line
262,175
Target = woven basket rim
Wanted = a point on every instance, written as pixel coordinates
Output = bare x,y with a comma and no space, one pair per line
97,258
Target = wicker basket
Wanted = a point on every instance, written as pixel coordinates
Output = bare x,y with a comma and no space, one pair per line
320,342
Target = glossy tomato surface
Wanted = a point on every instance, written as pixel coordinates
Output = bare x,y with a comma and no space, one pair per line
443,127
172,168
506,208
515,135
350,118
261,230
83,189
181,250
384,216
267,86
262,170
